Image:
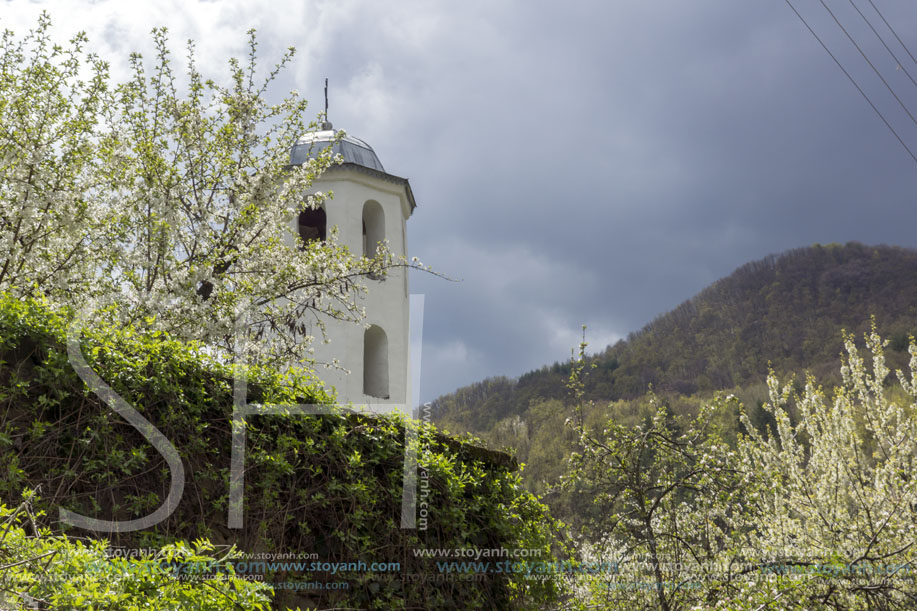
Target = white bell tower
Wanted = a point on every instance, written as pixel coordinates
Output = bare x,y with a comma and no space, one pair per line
369,206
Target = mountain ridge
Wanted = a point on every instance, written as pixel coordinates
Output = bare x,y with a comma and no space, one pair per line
784,311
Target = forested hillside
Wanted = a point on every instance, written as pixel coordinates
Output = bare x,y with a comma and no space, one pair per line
787,310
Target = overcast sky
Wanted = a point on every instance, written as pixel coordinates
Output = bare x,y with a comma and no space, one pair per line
580,162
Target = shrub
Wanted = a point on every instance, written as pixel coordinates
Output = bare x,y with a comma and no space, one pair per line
42,571
328,485
817,512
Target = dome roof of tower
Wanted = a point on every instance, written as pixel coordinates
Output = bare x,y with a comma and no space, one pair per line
353,150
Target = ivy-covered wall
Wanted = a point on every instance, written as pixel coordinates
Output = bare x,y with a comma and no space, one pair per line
326,487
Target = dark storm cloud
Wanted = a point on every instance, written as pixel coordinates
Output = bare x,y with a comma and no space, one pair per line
588,162
644,152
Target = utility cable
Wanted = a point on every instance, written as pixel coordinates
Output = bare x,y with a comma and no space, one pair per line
892,53
847,74
874,69
893,31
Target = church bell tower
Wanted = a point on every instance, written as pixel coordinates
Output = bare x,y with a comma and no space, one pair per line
369,206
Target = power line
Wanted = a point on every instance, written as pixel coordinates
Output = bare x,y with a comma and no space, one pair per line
874,69
847,74
898,38
892,53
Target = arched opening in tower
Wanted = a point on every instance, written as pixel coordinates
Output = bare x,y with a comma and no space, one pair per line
313,224
373,228
375,363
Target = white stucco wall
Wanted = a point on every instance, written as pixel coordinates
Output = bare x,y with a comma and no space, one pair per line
387,301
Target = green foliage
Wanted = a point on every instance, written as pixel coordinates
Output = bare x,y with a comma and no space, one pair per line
668,494
816,513
328,485
43,571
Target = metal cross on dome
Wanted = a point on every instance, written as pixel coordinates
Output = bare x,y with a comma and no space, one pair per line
326,124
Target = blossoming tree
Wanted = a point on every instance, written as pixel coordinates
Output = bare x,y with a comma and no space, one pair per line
816,513
166,201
